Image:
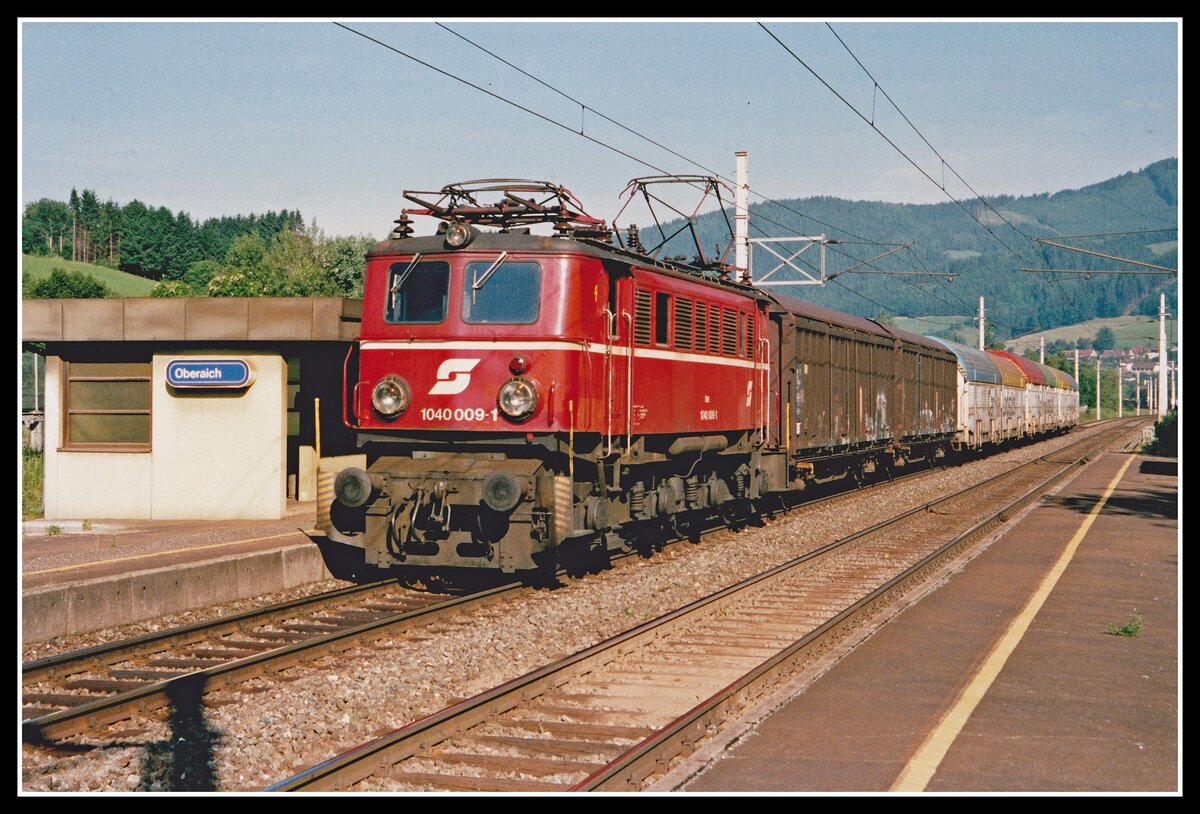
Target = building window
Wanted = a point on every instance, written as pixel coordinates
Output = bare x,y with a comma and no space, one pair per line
107,406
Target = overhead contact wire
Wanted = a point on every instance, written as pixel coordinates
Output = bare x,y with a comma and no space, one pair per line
658,144
630,156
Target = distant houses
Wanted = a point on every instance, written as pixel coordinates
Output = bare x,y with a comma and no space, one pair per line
1134,356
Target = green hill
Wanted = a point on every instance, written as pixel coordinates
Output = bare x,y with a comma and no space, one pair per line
1128,332
955,328
984,262
35,268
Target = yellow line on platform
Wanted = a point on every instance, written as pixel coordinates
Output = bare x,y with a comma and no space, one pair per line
77,566
922,766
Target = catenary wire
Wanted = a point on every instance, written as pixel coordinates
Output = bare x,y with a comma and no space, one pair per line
630,156
870,122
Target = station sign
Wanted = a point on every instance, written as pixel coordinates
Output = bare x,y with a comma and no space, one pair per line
208,374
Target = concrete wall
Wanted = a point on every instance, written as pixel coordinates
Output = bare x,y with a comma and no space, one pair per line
220,454
59,610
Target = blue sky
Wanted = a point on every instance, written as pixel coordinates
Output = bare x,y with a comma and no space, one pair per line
233,117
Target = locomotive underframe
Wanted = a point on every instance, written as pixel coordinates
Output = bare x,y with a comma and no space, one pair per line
430,507
431,510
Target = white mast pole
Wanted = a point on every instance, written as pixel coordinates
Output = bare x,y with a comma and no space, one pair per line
741,217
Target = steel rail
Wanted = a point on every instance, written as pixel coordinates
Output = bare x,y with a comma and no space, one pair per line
363,761
629,771
112,652
47,728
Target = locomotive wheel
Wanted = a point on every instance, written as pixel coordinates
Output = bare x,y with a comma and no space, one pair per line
545,575
588,557
689,528
600,557
346,562
575,562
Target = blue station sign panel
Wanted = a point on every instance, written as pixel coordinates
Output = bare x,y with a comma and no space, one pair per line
209,373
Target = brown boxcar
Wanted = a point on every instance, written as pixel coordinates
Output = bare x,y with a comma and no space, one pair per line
851,389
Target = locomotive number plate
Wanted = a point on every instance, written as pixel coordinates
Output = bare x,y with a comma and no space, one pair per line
456,414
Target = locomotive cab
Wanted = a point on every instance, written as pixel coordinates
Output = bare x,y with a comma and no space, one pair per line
526,401
469,369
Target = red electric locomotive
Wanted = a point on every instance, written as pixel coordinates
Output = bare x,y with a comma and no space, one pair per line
520,396
530,401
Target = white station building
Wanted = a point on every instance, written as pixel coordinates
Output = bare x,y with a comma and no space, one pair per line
190,408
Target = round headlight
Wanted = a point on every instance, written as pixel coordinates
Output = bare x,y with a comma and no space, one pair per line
390,397
458,235
517,399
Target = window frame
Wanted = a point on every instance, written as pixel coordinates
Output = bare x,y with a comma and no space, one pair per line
662,318
467,283
398,267
70,445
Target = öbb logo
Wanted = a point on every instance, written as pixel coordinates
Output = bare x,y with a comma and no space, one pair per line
453,376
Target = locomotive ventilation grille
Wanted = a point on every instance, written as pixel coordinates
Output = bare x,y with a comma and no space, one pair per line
729,334
641,318
683,323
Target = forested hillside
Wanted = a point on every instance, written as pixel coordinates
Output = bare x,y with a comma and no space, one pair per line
276,254
272,254
151,242
947,242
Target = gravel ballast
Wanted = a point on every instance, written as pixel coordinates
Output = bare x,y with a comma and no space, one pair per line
267,729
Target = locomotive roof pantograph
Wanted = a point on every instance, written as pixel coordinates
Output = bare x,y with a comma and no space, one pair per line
522,203
708,186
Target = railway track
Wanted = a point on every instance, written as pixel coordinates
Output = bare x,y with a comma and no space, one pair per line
79,692
621,711
75,692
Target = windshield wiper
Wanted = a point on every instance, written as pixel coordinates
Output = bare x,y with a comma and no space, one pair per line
477,282
399,281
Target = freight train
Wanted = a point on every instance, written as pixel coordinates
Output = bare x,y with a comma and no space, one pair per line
527,401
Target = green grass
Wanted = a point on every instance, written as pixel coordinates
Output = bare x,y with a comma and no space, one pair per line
1127,332
1130,628
31,486
35,268
31,479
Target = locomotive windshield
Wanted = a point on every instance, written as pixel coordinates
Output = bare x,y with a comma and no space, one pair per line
510,294
417,291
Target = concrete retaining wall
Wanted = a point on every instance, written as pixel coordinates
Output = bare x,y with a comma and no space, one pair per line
84,606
